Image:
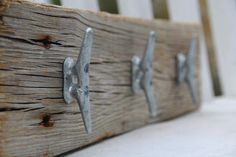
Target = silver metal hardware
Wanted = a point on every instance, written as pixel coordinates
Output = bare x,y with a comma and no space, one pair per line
142,74
76,79
186,68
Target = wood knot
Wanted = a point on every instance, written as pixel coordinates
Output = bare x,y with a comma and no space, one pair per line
47,121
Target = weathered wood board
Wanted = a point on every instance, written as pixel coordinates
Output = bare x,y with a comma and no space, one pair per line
34,41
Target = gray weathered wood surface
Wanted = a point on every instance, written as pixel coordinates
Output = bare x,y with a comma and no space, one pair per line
34,41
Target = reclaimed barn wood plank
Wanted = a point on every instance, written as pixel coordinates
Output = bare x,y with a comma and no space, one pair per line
34,41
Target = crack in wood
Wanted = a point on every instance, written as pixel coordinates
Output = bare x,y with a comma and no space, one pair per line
5,109
46,41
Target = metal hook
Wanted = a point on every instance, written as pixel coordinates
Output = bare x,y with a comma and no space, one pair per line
186,68
76,79
142,74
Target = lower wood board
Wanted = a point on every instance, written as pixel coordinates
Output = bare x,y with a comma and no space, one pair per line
34,41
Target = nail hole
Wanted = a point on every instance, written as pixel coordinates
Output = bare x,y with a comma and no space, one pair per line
47,121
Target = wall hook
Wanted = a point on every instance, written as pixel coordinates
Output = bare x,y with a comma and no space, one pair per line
142,74
76,79
186,68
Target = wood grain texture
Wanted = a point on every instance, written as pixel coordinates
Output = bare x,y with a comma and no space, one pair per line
34,41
